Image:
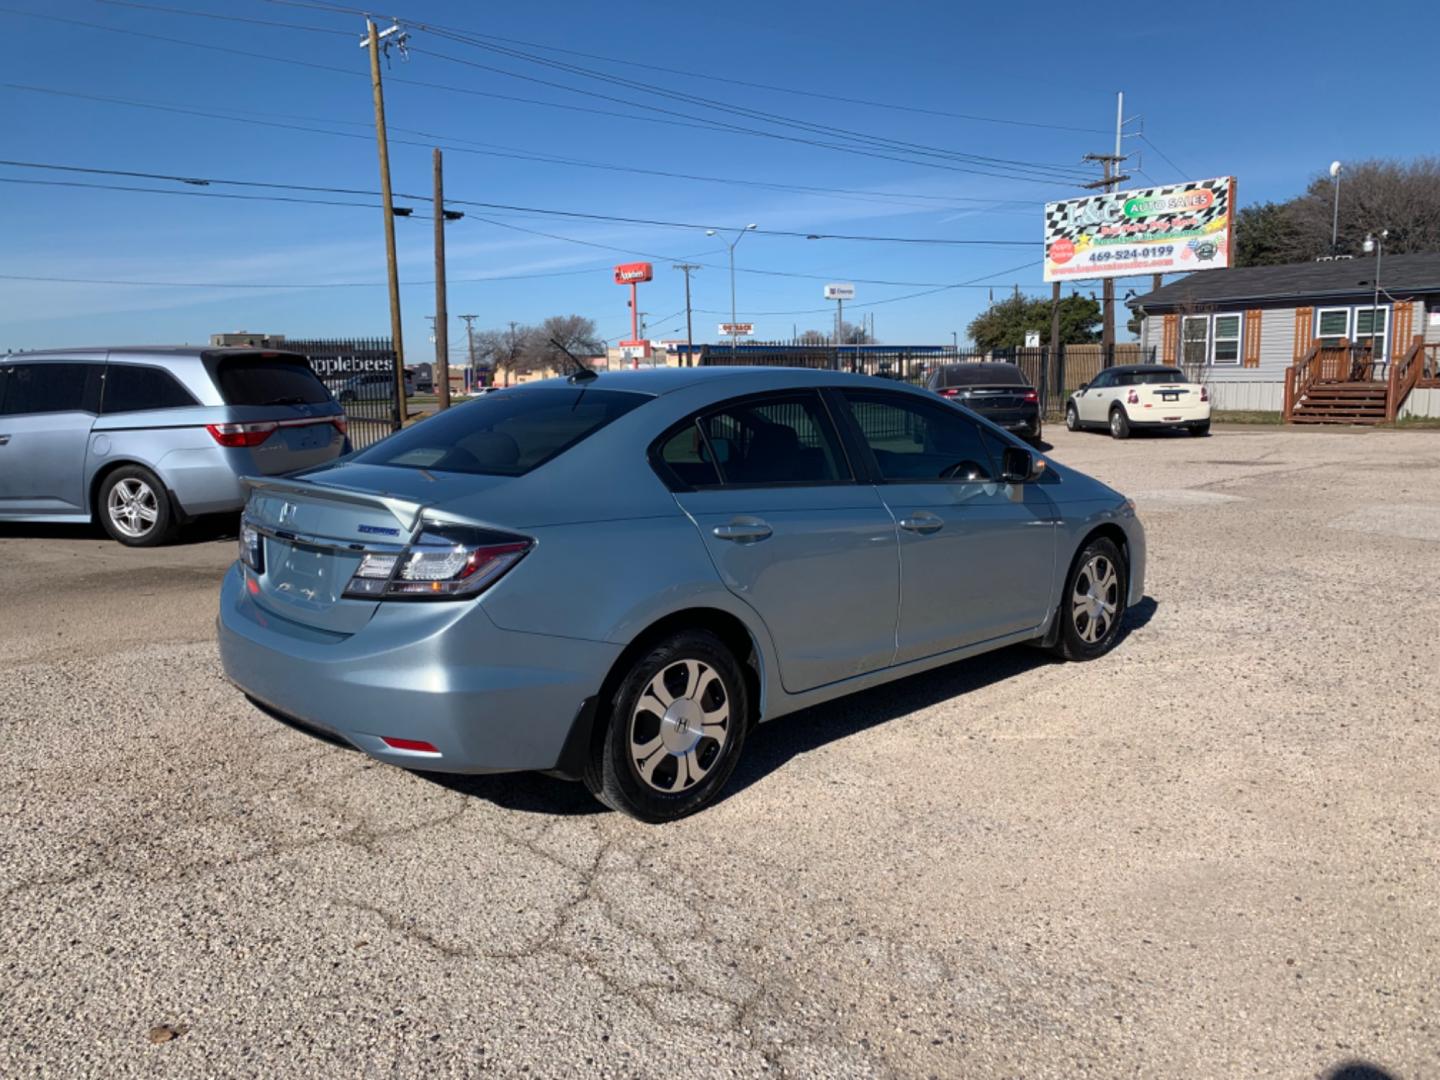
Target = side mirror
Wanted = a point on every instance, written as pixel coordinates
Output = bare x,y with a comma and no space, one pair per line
1019,465
1084,386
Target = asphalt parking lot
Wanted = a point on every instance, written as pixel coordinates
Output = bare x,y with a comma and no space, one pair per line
1215,852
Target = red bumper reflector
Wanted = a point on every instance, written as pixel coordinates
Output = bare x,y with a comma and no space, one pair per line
416,745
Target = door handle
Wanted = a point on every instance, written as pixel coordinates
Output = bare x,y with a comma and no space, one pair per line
922,523
743,531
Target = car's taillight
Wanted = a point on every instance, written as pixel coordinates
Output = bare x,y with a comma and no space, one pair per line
1204,393
252,547
342,425
1134,398
949,391
242,434
1030,397
448,562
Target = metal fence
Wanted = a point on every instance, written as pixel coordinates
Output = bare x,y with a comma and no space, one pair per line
360,373
1055,374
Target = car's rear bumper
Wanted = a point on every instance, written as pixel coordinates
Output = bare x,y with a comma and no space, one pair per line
1165,415
1024,422
488,700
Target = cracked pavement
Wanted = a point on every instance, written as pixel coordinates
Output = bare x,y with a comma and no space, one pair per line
1213,852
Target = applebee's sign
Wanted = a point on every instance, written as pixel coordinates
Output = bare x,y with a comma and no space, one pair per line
631,273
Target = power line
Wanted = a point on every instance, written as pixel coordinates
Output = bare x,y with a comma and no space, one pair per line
470,147
686,119
714,78
1163,156
511,207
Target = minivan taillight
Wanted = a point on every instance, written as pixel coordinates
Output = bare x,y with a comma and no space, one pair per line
241,435
448,562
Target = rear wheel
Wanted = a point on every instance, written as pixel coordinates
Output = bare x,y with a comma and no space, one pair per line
1093,604
1119,423
1202,428
135,508
676,726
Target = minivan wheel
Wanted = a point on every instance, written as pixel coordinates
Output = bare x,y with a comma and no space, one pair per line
134,507
676,726
1093,603
1072,417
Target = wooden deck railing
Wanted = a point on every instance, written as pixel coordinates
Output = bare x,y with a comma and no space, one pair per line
1299,377
1405,373
1430,366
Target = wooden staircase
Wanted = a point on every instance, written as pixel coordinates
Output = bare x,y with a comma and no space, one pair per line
1342,403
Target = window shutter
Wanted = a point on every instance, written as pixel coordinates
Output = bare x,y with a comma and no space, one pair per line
1400,340
1170,339
1252,339
1304,331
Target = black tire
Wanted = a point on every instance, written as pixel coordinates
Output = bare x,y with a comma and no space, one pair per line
134,508
1201,429
618,778
1072,417
1082,635
1119,423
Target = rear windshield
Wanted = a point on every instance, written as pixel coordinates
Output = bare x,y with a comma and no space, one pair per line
506,433
269,380
985,375
1149,377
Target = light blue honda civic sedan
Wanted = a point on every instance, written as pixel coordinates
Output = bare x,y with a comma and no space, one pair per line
613,578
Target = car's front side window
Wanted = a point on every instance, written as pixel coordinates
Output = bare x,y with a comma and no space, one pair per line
912,440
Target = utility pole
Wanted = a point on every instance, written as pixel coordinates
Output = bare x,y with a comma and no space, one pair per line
372,42
442,318
470,342
687,269
1110,181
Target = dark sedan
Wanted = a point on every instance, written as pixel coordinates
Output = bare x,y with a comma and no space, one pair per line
999,392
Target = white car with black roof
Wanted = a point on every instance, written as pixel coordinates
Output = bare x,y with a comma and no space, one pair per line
1140,396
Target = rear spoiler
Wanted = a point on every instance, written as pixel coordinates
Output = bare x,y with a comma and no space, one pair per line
406,511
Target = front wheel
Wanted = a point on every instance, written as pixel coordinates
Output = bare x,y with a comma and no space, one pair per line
1093,603
1072,417
676,726
1119,424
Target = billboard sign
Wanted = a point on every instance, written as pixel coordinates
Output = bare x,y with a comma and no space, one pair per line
632,273
1161,230
737,329
839,291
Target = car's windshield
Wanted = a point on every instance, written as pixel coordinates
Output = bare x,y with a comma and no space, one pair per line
507,433
984,375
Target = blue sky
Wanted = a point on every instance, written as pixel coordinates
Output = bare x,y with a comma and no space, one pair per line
1253,99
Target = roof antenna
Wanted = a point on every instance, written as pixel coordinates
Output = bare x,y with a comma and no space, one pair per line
582,373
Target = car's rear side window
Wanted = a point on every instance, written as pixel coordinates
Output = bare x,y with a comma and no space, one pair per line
503,434
47,388
268,380
135,388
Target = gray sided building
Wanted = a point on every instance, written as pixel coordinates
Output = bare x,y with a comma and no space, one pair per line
1242,330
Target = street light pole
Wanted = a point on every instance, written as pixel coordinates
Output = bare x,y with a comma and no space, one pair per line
739,236
1335,217
1377,245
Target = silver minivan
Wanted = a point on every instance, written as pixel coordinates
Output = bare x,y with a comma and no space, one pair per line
145,438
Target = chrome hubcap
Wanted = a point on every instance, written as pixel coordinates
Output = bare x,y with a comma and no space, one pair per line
1115,422
133,507
1096,599
1071,419
679,726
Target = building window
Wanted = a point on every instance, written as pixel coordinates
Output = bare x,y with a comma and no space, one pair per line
1332,324
1194,340
1226,340
1372,327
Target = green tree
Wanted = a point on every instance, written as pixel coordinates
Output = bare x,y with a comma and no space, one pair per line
1267,234
1004,324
